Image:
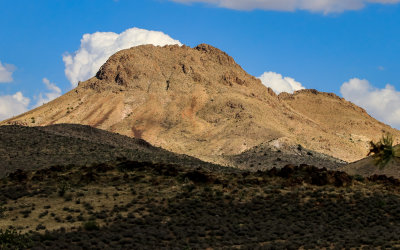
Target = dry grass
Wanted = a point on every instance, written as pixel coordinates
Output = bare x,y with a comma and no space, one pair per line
146,205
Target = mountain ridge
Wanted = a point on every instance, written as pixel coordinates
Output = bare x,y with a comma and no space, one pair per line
199,101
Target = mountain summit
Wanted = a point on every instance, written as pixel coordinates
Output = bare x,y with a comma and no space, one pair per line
199,101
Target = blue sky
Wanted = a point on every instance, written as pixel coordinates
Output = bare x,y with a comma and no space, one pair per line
351,48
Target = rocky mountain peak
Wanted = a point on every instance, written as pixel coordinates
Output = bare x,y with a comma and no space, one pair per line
199,101
140,66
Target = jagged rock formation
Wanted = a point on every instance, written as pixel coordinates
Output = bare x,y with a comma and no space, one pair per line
199,102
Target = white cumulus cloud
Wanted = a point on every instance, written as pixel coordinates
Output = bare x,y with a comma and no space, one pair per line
96,48
279,84
383,104
53,93
11,105
325,6
6,71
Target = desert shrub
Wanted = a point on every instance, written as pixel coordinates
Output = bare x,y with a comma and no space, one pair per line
358,177
62,188
11,239
87,206
90,225
383,151
2,210
41,215
25,213
40,227
80,217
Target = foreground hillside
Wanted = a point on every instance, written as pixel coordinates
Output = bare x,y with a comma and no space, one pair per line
199,102
142,205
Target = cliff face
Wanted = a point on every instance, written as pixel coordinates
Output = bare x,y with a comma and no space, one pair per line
199,102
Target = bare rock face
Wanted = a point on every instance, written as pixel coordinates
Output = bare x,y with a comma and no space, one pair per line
199,102
140,67
338,117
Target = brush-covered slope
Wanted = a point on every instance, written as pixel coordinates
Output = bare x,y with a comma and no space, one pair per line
198,101
133,205
33,148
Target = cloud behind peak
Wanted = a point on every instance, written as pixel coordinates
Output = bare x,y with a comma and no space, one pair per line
383,104
280,84
96,48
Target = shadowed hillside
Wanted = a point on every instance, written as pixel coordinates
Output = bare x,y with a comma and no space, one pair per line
31,148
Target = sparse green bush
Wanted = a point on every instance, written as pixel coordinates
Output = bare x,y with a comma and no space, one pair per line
62,188
87,206
26,213
43,214
207,189
40,227
299,147
90,225
358,177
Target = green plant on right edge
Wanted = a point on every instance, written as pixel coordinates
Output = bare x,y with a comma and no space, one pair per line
11,239
383,151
